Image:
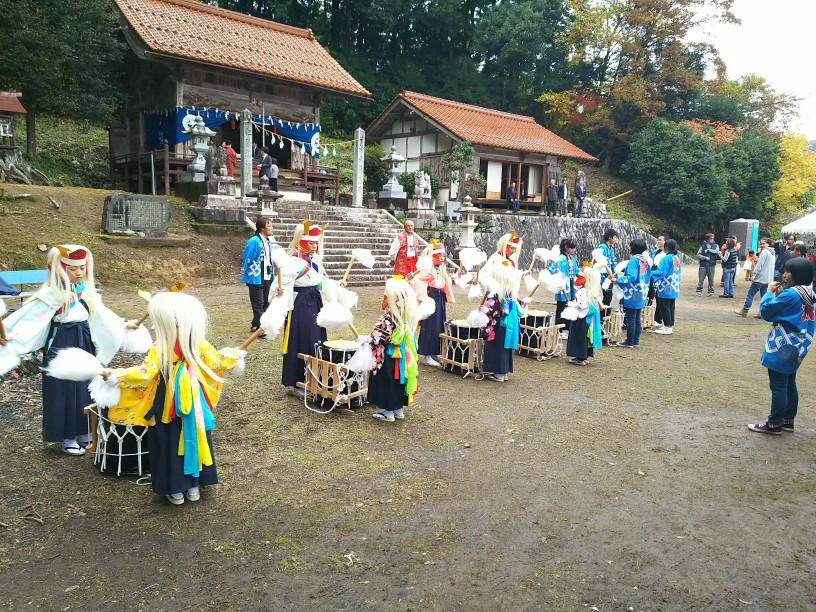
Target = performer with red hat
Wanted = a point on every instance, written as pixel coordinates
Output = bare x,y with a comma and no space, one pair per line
66,312
432,280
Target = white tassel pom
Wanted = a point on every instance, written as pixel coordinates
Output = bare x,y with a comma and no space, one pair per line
570,313
9,359
477,318
546,255
463,282
240,356
347,297
617,292
424,264
475,292
3,309
365,257
136,340
73,364
471,258
427,306
363,358
274,316
334,316
551,282
599,259
529,282
621,267
104,393
606,284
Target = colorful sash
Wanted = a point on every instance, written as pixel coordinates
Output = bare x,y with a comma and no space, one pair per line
510,322
403,350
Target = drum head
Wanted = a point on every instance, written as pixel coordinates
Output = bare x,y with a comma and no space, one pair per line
460,323
343,345
537,313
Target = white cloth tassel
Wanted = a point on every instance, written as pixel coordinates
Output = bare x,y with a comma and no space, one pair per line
529,282
274,316
365,257
136,340
477,318
73,364
363,358
105,394
347,297
475,292
427,306
9,359
334,316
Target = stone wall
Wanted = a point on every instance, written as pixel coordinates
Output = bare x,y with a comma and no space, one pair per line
540,231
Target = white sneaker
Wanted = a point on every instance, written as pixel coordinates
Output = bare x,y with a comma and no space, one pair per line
298,392
175,498
387,416
563,335
664,331
429,360
193,494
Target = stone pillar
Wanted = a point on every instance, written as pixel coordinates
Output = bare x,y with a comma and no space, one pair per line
246,152
359,168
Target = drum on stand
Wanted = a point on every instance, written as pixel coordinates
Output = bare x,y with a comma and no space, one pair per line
340,351
532,337
461,347
121,449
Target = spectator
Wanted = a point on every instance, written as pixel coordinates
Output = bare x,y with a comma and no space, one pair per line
273,174
265,167
258,269
580,194
799,250
761,277
563,197
404,249
783,254
750,264
730,259
552,198
232,158
513,203
708,254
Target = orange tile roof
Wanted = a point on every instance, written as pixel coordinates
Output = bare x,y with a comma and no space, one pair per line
202,33
492,128
10,102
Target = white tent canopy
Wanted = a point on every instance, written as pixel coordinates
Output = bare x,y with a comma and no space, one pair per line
805,225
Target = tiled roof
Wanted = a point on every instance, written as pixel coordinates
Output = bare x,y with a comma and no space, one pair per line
202,33
492,128
10,102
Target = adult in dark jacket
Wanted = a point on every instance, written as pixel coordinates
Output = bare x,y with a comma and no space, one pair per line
513,203
552,198
580,195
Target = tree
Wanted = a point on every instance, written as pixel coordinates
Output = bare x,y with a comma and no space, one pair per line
797,177
680,171
751,164
64,56
458,161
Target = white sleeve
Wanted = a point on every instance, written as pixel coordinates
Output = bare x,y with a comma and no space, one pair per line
395,245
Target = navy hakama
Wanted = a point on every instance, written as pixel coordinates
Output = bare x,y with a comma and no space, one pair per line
429,342
497,359
304,333
578,342
166,465
63,400
385,391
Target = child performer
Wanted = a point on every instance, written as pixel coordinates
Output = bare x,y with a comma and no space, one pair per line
667,287
503,312
508,249
568,266
585,332
392,384
175,390
302,331
66,312
634,284
437,284
791,311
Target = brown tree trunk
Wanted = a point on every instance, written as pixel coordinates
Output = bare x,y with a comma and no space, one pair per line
31,131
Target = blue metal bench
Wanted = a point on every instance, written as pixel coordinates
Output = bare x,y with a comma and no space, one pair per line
22,278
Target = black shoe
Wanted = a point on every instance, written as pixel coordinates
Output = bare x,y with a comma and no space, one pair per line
787,428
765,428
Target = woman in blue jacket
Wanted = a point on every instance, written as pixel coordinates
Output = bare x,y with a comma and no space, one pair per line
567,264
667,287
792,314
634,283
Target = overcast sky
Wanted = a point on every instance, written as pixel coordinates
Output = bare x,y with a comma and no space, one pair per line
775,40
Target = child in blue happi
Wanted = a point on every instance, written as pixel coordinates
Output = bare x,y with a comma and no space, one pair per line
607,247
667,287
567,264
791,311
634,285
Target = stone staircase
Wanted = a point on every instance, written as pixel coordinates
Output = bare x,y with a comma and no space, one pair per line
348,228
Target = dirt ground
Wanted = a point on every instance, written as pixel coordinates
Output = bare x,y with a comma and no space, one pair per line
632,484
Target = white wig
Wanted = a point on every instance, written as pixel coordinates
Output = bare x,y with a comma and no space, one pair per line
592,284
504,280
58,277
402,304
179,318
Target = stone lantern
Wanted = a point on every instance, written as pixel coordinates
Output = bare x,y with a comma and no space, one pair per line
469,225
201,135
392,190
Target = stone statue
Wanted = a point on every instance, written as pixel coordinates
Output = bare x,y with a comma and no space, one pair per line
216,161
422,185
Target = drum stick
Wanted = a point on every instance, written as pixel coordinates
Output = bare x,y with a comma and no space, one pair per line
174,288
533,292
3,331
354,330
348,270
252,338
532,263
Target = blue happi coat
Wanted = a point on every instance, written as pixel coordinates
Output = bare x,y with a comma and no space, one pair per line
667,277
635,283
611,259
568,266
792,317
253,262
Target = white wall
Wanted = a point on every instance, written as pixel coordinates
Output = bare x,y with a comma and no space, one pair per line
494,175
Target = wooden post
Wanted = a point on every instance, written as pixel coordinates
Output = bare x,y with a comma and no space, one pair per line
166,168
337,185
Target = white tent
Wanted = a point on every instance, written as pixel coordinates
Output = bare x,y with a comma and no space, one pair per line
805,225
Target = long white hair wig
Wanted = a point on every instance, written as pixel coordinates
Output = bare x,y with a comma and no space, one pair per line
501,246
402,304
504,280
592,284
180,318
57,276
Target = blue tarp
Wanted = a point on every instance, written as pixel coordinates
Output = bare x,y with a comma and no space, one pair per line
169,126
